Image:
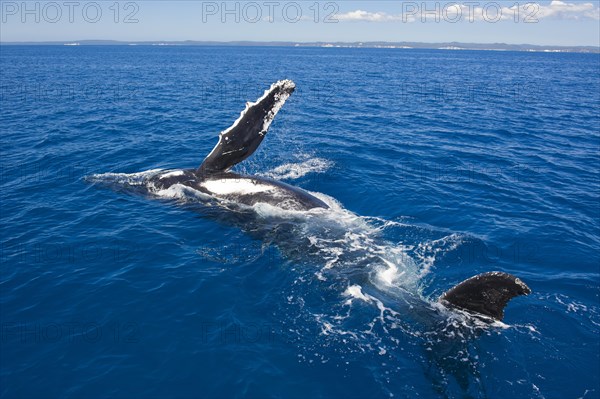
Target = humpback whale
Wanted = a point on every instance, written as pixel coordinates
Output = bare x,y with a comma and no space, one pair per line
235,144
483,296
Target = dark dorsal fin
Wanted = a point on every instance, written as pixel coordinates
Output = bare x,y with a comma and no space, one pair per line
240,140
485,294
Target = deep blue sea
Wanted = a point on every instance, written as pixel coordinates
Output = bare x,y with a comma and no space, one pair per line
438,164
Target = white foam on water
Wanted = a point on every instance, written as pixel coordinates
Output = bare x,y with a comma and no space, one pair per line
291,171
427,252
268,211
132,179
390,274
355,291
182,192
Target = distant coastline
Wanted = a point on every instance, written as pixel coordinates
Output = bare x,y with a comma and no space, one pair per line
391,45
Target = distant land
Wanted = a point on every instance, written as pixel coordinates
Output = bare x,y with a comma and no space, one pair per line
396,45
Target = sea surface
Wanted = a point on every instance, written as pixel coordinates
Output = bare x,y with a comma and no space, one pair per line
437,164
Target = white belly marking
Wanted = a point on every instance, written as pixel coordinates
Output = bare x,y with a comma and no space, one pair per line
235,186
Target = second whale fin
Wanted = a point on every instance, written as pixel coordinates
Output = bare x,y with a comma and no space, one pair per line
240,140
485,294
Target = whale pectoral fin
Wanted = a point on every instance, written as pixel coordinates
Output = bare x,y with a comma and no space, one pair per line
486,294
240,140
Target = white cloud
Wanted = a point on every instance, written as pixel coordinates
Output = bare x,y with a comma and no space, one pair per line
562,10
360,15
488,11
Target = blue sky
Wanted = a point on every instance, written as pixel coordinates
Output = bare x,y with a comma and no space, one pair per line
542,22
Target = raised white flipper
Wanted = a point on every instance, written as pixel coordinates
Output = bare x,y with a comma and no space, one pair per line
240,140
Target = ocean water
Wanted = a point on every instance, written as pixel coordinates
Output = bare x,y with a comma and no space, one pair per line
438,165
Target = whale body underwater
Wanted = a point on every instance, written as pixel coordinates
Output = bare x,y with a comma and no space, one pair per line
483,296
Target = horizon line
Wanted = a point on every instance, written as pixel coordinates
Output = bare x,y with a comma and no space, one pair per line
354,44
